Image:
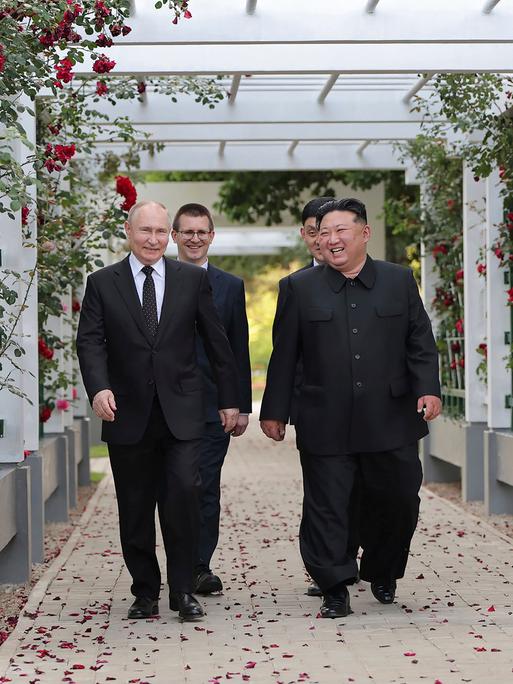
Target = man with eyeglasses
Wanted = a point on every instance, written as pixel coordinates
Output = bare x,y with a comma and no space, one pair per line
193,232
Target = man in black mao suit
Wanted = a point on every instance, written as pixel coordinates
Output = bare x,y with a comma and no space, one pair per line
370,383
193,232
136,346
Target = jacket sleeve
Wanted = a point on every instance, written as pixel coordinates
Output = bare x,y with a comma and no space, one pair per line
238,336
421,350
217,346
91,344
281,372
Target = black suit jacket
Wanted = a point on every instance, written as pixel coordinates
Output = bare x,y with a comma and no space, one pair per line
116,351
298,379
230,302
368,354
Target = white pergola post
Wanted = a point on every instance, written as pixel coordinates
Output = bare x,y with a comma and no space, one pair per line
12,406
474,293
498,322
29,321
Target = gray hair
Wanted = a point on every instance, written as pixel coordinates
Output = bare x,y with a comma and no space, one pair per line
146,203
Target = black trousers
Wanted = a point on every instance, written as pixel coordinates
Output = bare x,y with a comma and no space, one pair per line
159,470
389,484
214,446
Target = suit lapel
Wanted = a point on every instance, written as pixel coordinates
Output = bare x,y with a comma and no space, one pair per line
124,281
216,283
171,290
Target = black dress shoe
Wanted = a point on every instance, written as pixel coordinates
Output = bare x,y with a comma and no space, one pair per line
143,608
313,590
336,604
384,591
207,583
188,608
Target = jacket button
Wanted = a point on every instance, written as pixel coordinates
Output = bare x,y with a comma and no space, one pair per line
355,330
357,357
352,283
359,384
353,306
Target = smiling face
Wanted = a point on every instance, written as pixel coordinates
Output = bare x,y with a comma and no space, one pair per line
193,237
148,233
311,238
342,241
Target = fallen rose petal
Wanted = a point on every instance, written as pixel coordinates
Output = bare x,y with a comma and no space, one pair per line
409,654
250,665
491,609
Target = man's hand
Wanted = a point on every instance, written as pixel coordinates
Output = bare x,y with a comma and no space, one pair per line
240,426
274,429
433,406
104,405
229,417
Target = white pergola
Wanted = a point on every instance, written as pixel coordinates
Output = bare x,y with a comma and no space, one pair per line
316,85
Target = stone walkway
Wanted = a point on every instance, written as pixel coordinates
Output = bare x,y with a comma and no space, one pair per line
452,620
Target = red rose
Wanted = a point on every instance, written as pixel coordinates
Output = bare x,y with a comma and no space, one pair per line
25,211
101,88
510,295
64,70
453,364
458,277
187,14
103,65
75,305
455,347
461,363
440,248
509,216
459,326
64,152
481,268
141,87
116,29
499,253
450,204
125,30
103,40
483,348
45,413
2,58
126,189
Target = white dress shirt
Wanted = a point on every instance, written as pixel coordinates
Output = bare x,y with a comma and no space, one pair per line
158,275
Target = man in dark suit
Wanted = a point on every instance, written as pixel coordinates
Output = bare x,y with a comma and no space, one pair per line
193,232
370,381
136,346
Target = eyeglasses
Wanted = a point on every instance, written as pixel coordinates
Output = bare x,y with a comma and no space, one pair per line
189,234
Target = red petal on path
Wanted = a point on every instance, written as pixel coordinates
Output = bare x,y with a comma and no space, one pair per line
491,609
250,665
409,654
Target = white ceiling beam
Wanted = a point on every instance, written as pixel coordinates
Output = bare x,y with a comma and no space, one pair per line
253,107
417,87
240,157
251,6
234,88
371,6
321,21
327,87
292,146
384,58
490,5
279,132
361,148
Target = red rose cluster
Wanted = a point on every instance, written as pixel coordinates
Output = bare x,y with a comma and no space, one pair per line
64,72
440,248
126,189
458,276
57,156
101,88
2,58
45,413
44,350
103,65
184,8
64,30
25,211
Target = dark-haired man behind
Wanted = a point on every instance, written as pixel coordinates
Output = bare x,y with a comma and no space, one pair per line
193,232
370,370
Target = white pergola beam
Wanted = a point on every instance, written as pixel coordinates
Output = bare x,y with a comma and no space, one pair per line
327,87
256,157
234,89
253,107
417,87
383,58
292,146
251,6
364,145
490,5
273,132
371,6
324,21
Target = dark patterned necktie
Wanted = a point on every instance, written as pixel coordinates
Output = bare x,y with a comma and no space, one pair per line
149,301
